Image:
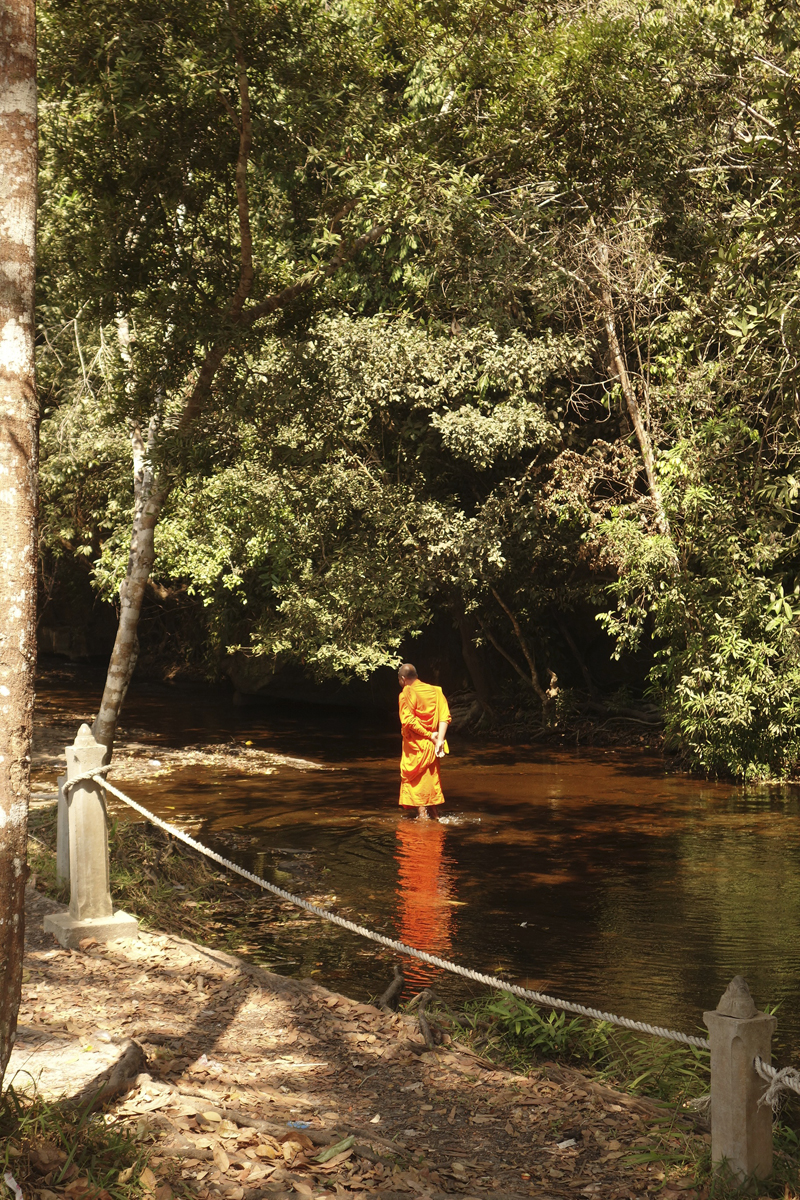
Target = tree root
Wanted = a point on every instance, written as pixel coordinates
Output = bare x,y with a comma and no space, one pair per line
390,999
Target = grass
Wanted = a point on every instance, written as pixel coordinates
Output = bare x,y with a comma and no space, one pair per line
169,886
506,1029
521,1035
54,1148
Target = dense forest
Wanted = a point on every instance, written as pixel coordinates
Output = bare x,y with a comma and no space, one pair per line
479,317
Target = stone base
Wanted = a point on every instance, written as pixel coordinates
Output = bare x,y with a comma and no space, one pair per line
70,933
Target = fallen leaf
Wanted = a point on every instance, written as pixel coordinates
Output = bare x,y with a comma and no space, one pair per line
85,943
332,1163
302,1140
221,1159
46,1156
210,1115
265,1151
77,1186
303,1189
330,1152
163,1192
125,1175
148,1180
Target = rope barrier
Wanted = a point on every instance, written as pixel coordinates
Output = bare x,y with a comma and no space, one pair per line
784,1079
580,1010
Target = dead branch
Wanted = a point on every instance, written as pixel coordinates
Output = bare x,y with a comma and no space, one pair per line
634,412
390,999
537,687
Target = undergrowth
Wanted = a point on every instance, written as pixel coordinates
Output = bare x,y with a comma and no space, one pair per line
169,886
53,1147
522,1034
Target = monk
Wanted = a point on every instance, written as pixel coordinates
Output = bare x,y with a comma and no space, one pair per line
424,717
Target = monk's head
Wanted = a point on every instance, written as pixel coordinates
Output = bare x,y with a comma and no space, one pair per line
407,674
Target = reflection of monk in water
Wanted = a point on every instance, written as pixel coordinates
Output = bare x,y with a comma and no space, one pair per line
424,717
424,885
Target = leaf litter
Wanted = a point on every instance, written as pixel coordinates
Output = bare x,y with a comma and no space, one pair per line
238,1057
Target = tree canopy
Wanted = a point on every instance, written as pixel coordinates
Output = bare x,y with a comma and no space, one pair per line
508,334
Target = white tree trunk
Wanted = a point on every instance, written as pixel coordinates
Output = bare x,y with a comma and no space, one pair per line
18,480
150,491
149,496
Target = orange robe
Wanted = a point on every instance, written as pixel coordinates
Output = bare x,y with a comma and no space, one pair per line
422,707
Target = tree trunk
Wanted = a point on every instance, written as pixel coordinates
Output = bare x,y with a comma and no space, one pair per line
632,404
474,662
18,481
150,492
149,496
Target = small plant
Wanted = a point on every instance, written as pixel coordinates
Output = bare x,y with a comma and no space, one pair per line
521,1034
47,1145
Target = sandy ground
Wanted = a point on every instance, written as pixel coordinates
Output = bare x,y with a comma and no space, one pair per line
239,1058
137,757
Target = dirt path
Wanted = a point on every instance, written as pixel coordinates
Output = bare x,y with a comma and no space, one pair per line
238,1058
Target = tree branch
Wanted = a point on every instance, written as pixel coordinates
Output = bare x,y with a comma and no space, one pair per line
265,308
308,282
487,633
534,680
634,412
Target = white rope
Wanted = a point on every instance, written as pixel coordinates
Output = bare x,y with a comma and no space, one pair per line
581,1010
785,1079
95,776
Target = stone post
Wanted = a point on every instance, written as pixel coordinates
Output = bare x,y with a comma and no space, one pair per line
62,838
90,910
741,1128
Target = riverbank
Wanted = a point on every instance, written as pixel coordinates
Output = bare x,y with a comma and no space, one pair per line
577,720
224,1038
250,1075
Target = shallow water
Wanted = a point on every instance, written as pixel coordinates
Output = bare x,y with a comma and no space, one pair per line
593,874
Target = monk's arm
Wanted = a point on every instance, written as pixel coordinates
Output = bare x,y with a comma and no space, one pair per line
444,721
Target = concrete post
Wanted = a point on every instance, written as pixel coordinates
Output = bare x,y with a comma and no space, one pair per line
62,838
90,910
741,1128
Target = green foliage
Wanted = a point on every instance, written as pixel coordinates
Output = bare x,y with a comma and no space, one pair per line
91,1147
632,1062
441,428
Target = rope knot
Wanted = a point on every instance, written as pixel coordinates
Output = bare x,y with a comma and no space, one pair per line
94,776
787,1079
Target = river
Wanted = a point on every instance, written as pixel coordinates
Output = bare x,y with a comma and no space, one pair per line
597,875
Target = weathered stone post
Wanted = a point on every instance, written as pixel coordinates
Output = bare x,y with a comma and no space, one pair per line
741,1127
62,834
90,910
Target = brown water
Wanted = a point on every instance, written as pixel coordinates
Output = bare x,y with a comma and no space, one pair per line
593,874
